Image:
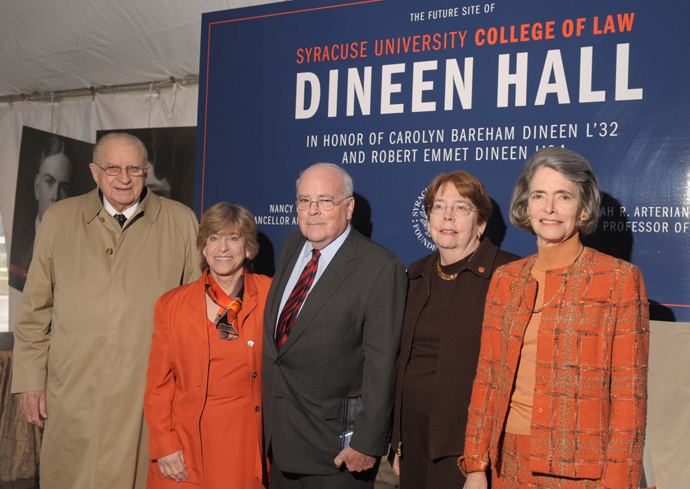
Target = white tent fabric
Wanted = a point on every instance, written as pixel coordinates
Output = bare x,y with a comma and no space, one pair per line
80,120
48,45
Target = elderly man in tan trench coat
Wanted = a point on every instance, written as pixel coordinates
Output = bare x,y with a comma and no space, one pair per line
85,322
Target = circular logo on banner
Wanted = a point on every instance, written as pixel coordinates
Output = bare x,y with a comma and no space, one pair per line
420,223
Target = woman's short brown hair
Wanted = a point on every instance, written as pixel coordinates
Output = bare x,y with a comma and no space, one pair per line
572,166
225,219
468,186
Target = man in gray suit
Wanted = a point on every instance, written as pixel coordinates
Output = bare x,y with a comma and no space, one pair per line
331,341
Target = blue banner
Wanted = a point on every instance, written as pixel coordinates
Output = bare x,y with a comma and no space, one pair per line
397,91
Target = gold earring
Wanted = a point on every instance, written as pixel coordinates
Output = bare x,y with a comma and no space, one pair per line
583,217
479,236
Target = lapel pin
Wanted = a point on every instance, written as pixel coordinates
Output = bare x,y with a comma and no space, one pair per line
482,269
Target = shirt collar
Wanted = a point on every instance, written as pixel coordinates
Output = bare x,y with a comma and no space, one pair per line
128,212
150,205
330,250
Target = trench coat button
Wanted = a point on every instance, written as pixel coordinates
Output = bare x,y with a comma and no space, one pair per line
109,251
250,343
277,363
257,409
254,375
102,219
540,411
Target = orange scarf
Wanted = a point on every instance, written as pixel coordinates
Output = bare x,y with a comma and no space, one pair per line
226,319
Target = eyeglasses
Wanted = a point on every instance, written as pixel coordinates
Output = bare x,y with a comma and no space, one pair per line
132,171
459,209
323,204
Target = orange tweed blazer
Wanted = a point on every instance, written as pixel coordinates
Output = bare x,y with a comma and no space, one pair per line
590,398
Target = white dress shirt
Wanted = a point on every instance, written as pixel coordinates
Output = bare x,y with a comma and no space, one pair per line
327,255
128,212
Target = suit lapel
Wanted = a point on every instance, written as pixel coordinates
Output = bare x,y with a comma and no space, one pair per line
278,288
337,271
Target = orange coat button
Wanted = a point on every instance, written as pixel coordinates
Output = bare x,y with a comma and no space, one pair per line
540,411
109,251
543,382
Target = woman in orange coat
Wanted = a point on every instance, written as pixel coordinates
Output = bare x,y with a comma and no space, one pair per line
203,390
560,395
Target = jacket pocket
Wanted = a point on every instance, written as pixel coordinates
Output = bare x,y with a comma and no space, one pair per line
332,408
59,348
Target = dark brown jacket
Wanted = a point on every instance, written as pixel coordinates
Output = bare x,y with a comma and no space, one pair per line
459,345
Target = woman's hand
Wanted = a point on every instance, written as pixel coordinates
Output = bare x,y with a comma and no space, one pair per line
396,465
173,467
476,480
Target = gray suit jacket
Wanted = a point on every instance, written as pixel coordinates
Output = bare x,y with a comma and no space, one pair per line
345,342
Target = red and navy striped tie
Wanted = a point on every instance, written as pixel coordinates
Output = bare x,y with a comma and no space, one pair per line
297,296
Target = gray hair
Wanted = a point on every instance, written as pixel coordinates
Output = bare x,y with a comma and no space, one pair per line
118,135
573,167
348,186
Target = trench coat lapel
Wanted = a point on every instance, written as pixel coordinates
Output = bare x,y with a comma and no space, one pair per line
328,283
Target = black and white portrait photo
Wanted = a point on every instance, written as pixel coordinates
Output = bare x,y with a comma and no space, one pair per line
51,168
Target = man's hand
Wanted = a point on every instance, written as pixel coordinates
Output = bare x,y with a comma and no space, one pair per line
173,467
396,465
34,406
354,460
476,480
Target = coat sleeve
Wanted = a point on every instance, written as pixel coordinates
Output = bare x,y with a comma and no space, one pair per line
160,387
628,391
33,327
381,344
190,228
481,415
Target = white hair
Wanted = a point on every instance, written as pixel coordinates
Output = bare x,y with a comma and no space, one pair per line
348,186
118,135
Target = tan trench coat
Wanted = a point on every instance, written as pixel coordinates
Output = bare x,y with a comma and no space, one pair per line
84,332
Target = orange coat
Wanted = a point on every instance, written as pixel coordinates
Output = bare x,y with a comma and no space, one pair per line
590,398
178,370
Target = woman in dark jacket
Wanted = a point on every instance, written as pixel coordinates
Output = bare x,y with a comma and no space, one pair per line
441,334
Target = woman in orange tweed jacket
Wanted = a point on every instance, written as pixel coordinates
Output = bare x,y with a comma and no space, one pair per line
560,395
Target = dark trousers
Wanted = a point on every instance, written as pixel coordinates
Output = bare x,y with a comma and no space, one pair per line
417,469
344,480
